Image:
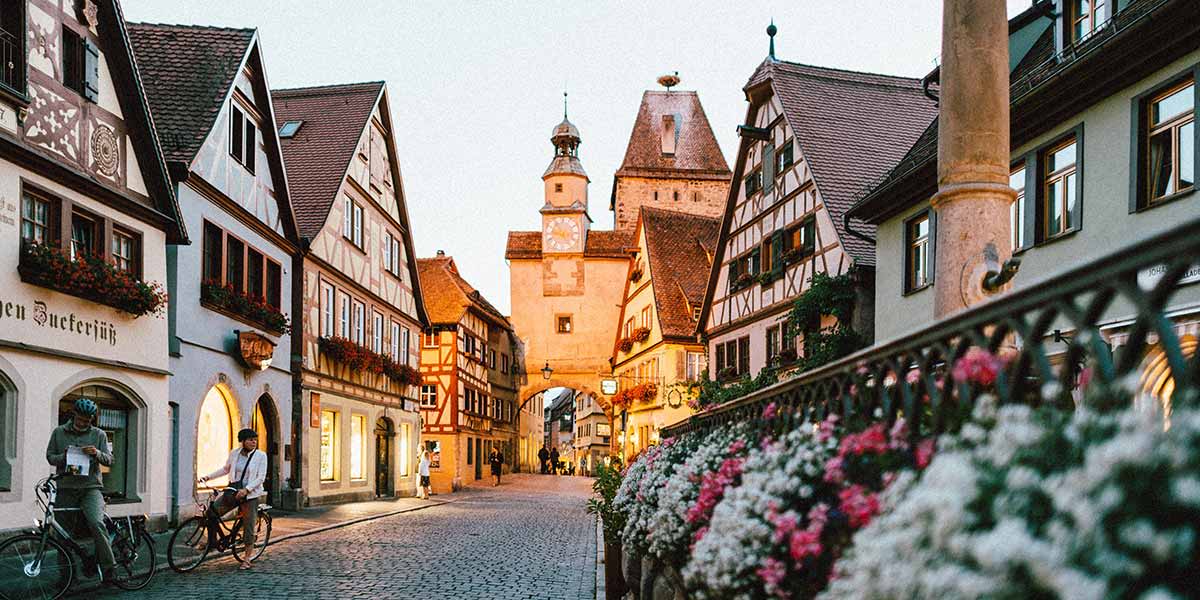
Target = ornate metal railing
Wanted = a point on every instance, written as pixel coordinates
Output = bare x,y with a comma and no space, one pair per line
912,375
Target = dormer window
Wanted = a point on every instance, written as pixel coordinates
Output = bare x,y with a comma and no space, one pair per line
670,134
1085,16
289,129
243,134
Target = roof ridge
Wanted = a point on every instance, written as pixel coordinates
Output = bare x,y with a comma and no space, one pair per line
829,72
329,87
144,24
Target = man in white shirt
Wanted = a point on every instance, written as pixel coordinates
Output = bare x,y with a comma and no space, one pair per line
423,472
247,470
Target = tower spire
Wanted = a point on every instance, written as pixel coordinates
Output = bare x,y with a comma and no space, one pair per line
564,105
771,29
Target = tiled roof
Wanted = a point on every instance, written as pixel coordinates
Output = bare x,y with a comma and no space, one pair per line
679,250
319,154
697,154
447,295
187,71
600,244
851,127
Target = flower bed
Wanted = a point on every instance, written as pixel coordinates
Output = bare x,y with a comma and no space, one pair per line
252,308
90,278
358,358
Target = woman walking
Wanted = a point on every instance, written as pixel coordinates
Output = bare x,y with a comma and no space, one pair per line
495,458
425,490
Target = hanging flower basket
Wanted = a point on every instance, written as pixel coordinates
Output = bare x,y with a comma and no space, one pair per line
641,334
90,278
621,400
252,308
358,358
625,345
636,275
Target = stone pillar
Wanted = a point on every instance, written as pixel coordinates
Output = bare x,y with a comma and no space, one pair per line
973,197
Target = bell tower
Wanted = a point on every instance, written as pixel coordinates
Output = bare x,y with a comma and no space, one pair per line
565,219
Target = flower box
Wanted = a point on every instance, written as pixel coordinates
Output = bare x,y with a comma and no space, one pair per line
635,276
645,392
792,255
358,358
90,278
244,306
625,344
743,280
641,334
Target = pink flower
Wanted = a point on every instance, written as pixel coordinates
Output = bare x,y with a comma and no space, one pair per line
772,573
924,452
699,535
818,514
899,435
913,377
769,412
859,505
803,543
827,428
712,489
1085,378
977,366
834,470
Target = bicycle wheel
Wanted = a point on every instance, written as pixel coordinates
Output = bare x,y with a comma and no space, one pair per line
188,546
262,537
23,576
136,560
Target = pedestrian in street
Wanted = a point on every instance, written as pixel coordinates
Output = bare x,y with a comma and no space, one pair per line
496,459
77,448
423,471
544,458
554,461
244,493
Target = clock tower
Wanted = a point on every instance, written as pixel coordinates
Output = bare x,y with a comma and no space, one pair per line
565,218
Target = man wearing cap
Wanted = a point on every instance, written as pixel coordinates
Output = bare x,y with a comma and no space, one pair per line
77,489
247,470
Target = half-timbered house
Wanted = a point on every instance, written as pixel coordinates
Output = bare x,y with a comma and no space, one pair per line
470,371
86,216
230,315
356,295
813,137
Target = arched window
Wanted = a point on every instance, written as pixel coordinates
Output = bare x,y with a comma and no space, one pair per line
1157,385
8,432
117,417
216,434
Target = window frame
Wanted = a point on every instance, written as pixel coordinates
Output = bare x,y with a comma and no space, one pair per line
18,88
429,339
1061,203
808,247
134,267
328,309
344,321
358,322
52,227
428,395
558,324
334,447
1037,158
930,251
243,134
376,332
1139,196
1074,14
1019,212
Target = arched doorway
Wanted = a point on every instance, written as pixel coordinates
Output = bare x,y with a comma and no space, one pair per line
117,417
385,432
1156,383
216,433
265,423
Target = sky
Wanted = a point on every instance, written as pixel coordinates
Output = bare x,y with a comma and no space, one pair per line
476,87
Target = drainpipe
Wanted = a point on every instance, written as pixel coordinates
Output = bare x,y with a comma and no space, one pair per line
973,197
850,230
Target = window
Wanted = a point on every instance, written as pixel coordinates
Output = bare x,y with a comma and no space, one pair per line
118,419
360,317
429,396
391,254
429,339
772,343
754,182
37,219
12,36
125,253
504,363
404,346
80,64
1086,16
395,342
329,449
254,273
1016,212
491,359
358,447
645,316
243,135
628,328
696,312
348,218
245,269
377,333
358,225
917,273
214,252
326,310
1059,190
563,324
84,235
235,260
1171,142
733,357
274,284
743,361
801,236
215,434
344,316
783,157
395,251
289,129
787,338
558,188
768,254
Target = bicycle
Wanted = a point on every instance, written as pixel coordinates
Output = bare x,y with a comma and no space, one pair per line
40,564
196,537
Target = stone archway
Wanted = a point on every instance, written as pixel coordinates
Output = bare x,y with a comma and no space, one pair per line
265,421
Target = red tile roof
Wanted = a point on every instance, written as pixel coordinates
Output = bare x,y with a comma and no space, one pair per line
448,295
600,244
187,71
697,154
318,156
851,127
679,251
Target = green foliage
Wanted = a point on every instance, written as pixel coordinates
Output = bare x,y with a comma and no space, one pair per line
833,296
608,480
714,393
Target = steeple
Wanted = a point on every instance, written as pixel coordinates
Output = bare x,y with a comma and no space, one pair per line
771,30
566,140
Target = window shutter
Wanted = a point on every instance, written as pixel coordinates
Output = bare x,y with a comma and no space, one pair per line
251,136
755,260
235,133
680,365
777,252
768,168
91,70
932,260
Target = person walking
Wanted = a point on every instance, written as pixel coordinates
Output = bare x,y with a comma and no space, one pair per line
495,459
77,449
554,461
426,490
249,466
544,458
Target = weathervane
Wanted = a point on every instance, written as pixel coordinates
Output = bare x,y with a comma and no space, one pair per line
564,105
669,81
771,29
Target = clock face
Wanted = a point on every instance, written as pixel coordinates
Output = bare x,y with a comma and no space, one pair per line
562,233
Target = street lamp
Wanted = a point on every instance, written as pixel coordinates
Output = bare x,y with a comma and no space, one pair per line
547,371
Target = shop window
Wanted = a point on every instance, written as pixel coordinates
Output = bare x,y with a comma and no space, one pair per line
329,447
117,417
358,447
215,434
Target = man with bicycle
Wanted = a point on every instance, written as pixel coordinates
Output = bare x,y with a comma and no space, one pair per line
247,470
80,483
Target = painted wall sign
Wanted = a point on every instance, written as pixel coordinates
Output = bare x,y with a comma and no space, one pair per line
608,387
41,315
1148,278
255,349
314,417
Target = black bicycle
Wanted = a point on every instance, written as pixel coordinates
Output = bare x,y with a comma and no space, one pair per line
196,537
41,564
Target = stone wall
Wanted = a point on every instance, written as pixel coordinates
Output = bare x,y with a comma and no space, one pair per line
698,197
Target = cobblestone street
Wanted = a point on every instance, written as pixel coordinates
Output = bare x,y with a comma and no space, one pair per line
529,538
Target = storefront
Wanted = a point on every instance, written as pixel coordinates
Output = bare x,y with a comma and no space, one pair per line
359,450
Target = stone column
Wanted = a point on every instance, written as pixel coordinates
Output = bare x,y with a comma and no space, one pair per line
973,197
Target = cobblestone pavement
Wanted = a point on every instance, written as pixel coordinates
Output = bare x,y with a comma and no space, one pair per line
529,538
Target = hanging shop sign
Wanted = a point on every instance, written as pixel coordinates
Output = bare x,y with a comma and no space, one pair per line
255,349
608,386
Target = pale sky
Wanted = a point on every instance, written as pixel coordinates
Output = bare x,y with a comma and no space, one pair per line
476,87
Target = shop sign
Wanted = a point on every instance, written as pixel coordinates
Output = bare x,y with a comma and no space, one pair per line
608,386
314,417
1148,278
41,315
255,350
603,429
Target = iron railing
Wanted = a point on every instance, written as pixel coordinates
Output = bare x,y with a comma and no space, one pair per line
912,374
11,62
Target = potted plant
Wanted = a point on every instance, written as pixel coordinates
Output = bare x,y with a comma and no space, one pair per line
612,520
641,334
743,280
625,345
